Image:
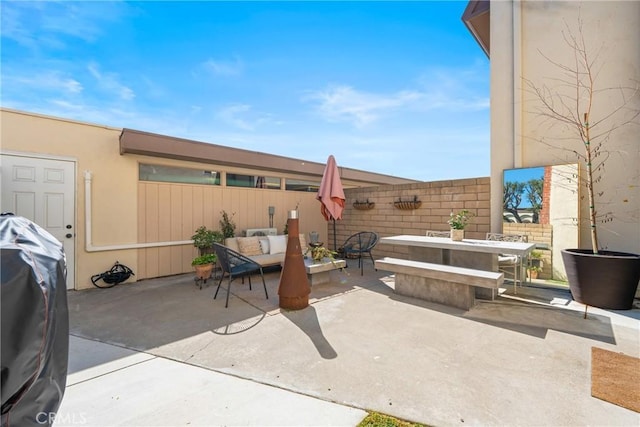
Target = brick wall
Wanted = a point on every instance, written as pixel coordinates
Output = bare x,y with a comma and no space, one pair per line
438,199
546,197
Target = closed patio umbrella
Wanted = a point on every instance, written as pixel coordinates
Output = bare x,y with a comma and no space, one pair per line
331,195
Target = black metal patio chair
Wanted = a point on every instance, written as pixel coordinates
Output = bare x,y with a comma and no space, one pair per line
234,265
360,244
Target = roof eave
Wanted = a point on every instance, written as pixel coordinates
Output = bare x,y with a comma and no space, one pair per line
476,17
155,145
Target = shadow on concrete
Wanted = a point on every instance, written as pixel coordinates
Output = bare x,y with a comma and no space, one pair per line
152,313
532,311
307,321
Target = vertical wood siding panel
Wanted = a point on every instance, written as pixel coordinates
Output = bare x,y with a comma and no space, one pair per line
164,213
164,228
216,206
142,227
236,209
197,213
187,208
261,218
178,258
207,208
152,228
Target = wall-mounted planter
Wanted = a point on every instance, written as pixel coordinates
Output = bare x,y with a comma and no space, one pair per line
363,206
408,204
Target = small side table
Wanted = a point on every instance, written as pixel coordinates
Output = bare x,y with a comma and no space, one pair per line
318,272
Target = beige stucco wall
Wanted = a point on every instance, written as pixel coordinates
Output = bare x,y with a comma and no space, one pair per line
520,31
94,148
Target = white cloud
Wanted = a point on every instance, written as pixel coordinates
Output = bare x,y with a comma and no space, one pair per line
49,23
454,90
232,115
49,81
110,83
344,103
224,68
242,116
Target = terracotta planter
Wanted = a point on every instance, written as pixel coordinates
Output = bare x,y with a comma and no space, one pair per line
606,280
203,271
457,235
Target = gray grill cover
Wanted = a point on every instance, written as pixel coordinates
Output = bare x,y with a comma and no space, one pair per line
35,323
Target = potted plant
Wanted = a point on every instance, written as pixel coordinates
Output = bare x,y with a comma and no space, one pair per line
535,259
227,225
597,277
533,271
204,265
458,222
320,254
203,239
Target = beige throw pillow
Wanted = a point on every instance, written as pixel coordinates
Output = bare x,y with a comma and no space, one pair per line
249,246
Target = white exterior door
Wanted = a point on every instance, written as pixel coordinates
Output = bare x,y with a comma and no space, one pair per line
43,190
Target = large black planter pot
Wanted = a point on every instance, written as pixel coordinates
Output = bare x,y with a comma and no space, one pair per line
606,280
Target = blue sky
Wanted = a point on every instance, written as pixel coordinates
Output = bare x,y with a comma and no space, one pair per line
523,175
398,88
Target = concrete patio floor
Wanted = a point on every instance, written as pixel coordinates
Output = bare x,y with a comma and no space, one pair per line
163,352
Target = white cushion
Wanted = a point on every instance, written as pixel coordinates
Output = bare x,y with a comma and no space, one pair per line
507,259
277,244
264,245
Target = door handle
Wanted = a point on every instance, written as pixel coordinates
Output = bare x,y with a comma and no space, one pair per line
68,235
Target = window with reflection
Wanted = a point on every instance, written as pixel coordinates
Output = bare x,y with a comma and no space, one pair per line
522,195
540,195
253,181
543,203
301,185
161,173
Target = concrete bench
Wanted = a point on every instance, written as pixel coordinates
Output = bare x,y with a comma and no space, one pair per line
443,284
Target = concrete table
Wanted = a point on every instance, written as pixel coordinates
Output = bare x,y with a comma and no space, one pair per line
318,272
468,253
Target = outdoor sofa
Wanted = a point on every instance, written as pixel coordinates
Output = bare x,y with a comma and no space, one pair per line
265,250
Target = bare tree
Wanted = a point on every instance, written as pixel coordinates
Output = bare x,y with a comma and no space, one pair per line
569,103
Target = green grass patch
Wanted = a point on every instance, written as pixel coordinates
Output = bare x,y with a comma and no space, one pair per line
376,419
557,283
